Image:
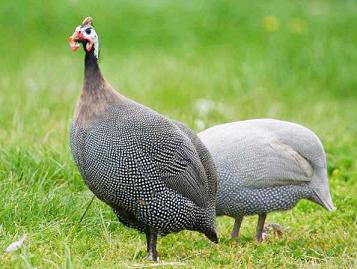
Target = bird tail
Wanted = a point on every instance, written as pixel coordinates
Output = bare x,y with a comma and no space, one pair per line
212,235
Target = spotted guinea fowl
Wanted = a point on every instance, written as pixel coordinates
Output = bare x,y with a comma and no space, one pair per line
155,173
266,165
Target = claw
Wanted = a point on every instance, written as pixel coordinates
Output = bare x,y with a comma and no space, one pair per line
151,257
277,228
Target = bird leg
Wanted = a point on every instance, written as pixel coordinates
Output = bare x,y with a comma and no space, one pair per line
151,240
260,228
278,229
236,227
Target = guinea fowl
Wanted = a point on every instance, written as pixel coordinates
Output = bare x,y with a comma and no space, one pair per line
155,173
266,165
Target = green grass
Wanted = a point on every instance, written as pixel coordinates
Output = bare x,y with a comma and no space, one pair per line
299,64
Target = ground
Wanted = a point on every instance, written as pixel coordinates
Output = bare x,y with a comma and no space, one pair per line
201,62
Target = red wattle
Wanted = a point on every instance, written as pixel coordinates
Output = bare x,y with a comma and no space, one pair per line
74,45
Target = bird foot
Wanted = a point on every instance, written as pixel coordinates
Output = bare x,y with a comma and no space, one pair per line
234,234
153,257
276,228
260,237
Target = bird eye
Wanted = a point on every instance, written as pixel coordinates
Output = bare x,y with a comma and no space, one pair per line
88,31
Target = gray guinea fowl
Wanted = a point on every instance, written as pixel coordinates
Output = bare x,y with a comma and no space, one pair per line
155,173
266,165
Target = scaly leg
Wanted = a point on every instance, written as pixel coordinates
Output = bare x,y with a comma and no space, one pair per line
236,227
151,240
260,227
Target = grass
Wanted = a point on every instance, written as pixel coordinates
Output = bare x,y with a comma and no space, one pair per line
291,60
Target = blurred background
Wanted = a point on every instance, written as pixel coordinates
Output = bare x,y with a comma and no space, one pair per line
201,62
209,61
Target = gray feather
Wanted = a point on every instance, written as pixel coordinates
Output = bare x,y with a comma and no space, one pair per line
253,151
205,157
146,168
266,165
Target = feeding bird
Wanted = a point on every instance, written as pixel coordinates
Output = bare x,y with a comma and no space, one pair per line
266,165
154,173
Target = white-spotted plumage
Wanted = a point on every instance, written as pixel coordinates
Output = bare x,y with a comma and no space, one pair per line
266,165
155,173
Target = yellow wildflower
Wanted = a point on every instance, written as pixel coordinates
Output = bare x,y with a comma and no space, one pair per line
297,26
271,23
335,172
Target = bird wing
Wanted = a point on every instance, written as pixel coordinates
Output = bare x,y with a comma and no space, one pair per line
205,157
182,170
166,153
264,152
279,164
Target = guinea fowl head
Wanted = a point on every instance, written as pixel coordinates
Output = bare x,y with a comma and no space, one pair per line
97,94
321,190
86,35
